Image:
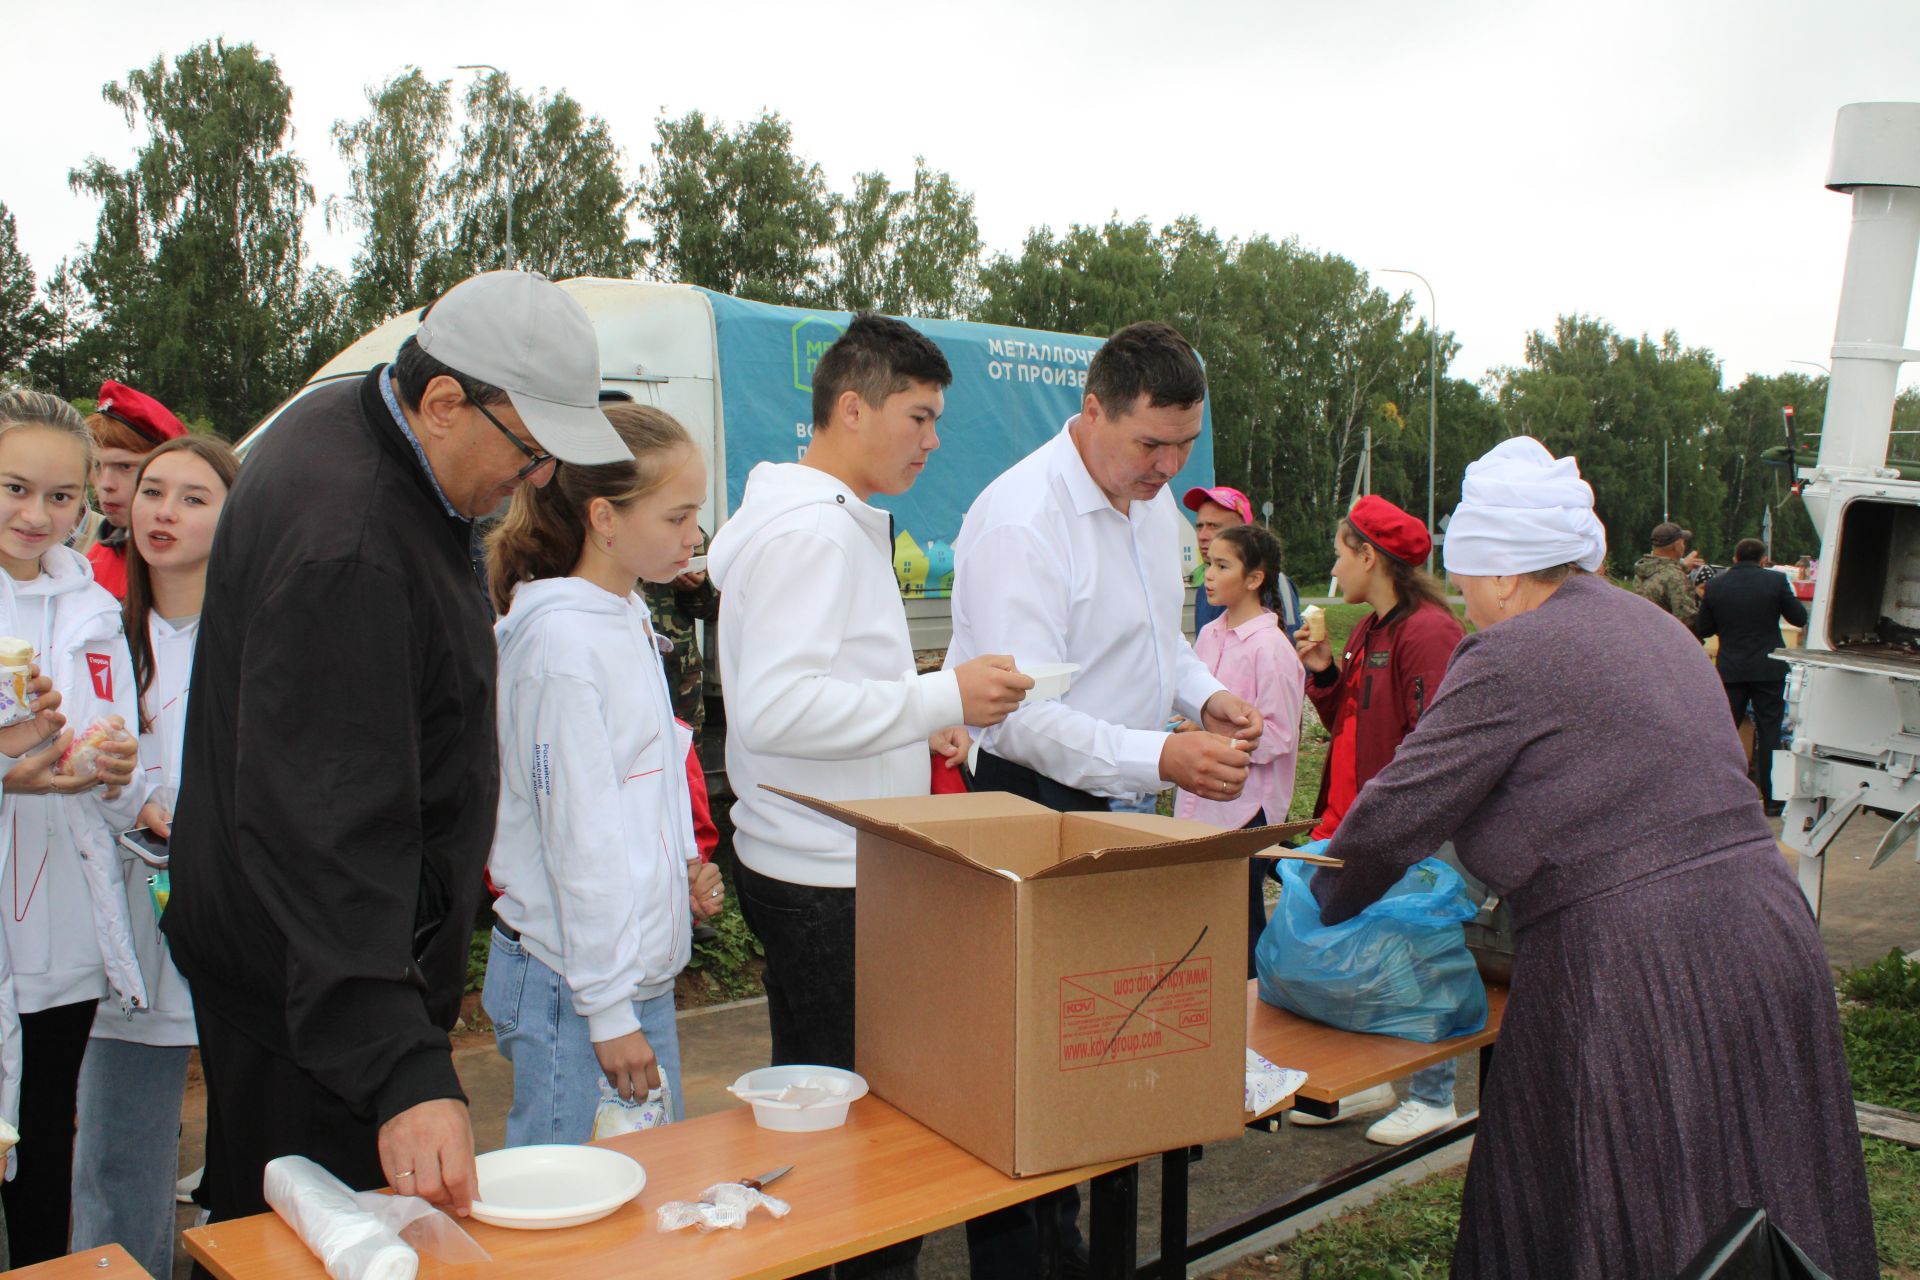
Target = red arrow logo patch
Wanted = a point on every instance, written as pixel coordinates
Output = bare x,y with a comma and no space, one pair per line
100,667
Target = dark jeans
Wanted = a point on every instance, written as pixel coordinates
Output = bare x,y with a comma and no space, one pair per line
39,1200
1013,1243
1768,700
807,934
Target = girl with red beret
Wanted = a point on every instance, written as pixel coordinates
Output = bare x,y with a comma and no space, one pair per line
1387,676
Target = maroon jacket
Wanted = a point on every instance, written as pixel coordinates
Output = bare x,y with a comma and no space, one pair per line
1398,662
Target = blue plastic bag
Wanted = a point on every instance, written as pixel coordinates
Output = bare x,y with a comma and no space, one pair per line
1399,968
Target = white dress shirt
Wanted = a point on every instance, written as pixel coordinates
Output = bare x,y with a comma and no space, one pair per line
1047,570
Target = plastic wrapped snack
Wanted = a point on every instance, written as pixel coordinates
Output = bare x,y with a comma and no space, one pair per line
81,759
615,1115
721,1207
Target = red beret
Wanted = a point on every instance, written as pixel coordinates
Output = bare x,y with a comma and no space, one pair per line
1391,529
147,416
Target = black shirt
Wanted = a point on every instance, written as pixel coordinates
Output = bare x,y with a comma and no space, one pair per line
1744,606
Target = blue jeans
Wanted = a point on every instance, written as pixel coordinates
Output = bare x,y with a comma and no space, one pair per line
555,1073
1146,802
1434,1085
126,1153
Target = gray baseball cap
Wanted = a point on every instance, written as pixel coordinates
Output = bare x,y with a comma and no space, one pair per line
523,333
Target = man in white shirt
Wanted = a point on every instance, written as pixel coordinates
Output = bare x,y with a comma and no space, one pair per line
1073,555
819,680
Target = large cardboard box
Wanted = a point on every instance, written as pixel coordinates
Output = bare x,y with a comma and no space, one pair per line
1046,989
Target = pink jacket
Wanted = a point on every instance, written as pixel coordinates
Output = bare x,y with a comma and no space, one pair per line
1258,662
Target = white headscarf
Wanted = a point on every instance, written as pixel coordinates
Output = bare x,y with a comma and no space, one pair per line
1522,509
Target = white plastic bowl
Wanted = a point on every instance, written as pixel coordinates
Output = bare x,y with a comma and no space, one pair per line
543,1187
1050,680
788,1117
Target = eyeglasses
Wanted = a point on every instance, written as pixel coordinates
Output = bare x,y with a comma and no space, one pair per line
535,459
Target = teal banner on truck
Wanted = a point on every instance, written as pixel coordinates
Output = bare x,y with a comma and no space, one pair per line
1012,390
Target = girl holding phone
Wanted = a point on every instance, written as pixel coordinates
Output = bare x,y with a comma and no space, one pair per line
135,1072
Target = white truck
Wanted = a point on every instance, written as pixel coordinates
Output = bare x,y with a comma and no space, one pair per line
1853,693
738,375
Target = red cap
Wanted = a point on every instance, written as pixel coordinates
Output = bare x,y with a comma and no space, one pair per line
147,416
1225,495
1390,529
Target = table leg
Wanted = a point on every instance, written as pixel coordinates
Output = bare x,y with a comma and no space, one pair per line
1113,1242
1174,1167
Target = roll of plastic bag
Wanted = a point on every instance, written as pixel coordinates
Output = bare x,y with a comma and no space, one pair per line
357,1235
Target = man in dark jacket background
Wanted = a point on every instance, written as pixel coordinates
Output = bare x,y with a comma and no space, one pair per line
340,770
1744,606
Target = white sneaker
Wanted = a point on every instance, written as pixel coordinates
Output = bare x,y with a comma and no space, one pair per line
1379,1098
1411,1119
183,1190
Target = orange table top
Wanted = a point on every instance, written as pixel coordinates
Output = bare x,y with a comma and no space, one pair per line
109,1262
880,1179
1340,1063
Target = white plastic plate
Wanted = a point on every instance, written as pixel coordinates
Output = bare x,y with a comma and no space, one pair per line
540,1188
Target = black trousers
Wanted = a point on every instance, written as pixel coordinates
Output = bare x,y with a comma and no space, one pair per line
260,1106
1034,1240
1768,700
1258,870
807,934
39,1200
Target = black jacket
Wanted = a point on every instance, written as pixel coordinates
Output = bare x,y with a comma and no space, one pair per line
340,774
1743,606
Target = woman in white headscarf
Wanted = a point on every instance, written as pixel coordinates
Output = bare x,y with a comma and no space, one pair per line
1671,1051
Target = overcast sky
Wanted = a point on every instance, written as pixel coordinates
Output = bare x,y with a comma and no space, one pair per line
1657,163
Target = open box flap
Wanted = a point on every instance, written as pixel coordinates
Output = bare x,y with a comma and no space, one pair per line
890,817
1186,843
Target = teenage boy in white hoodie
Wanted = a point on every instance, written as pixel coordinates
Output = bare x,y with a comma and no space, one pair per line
818,671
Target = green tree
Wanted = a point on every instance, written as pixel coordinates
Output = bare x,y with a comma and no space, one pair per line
396,196
1303,356
24,320
74,352
913,252
737,211
571,204
1627,407
197,269
1754,424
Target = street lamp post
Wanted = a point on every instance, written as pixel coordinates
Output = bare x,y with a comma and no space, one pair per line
1433,387
508,162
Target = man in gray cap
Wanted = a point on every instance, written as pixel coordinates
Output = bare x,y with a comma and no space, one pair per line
337,802
1661,574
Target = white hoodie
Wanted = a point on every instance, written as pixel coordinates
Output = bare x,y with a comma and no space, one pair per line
168,1019
596,826
65,918
817,670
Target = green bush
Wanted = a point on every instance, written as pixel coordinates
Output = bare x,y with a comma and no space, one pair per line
1892,982
727,961
1880,1021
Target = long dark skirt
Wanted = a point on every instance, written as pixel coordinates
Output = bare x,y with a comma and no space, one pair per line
1671,1052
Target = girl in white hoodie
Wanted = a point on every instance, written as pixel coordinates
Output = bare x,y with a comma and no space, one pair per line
594,852
64,920
135,1072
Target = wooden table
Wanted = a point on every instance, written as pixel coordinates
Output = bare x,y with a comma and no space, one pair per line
880,1179
1338,1064
109,1262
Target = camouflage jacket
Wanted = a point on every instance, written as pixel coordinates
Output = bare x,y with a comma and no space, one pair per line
674,613
1664,582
